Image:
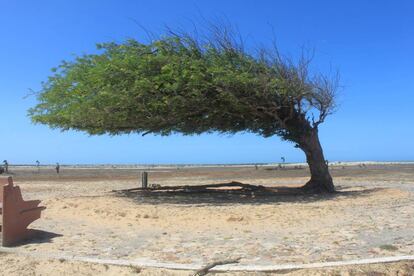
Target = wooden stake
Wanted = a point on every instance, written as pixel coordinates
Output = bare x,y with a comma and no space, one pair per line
144,177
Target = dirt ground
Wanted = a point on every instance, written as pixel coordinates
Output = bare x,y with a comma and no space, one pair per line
371,216
24,266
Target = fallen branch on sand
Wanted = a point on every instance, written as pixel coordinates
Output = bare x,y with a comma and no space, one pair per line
231,188
198,187
205,269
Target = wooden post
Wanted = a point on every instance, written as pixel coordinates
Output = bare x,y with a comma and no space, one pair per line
144,176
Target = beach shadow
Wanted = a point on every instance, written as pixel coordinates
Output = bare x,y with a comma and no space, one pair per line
38,237
223,194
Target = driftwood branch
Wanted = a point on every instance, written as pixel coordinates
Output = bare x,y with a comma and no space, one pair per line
205,269
198,187
232,188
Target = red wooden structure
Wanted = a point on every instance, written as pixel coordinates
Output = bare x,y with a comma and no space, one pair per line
16,213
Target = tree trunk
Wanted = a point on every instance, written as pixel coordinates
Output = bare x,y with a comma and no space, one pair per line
321,180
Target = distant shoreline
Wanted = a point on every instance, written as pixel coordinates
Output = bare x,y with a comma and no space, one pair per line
144,166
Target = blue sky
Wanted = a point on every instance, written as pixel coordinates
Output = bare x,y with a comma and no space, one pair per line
370,42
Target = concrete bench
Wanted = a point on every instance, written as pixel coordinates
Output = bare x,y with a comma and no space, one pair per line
16,213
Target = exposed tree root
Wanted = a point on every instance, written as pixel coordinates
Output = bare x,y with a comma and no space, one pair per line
220,188
315,187
198,187
205,269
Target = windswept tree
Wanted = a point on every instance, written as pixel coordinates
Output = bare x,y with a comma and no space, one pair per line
180,83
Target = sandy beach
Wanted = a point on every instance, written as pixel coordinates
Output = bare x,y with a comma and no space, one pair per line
371,217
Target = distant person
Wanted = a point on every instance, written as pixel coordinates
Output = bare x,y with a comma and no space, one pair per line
57,168
283,160
38,165
6,166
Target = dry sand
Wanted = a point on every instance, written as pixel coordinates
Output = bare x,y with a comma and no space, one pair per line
23,266
372,217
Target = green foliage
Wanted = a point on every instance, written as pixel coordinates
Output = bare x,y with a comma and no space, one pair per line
180,84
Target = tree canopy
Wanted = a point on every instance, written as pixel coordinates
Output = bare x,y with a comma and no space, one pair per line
180,84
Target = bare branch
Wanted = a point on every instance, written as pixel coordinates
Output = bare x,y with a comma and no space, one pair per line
205,269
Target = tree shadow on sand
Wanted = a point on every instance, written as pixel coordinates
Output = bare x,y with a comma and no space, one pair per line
232,193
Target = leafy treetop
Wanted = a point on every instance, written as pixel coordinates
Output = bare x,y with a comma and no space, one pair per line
178,83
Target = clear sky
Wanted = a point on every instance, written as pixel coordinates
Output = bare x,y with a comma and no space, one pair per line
370,42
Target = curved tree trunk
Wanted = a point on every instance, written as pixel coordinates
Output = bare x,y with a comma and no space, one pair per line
321,180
